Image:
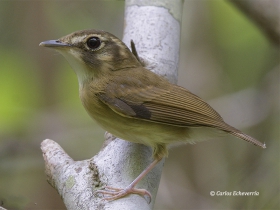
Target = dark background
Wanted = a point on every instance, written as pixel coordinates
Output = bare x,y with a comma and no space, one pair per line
225,59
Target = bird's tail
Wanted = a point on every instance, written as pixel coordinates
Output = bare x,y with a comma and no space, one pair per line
250,139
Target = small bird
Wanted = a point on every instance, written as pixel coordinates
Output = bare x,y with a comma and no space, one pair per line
133,103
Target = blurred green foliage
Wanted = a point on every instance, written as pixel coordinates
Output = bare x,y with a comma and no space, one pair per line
17,80
242,46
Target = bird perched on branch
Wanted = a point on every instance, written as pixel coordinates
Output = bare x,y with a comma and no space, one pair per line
134,103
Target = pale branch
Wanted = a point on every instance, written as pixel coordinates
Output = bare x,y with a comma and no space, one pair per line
154,26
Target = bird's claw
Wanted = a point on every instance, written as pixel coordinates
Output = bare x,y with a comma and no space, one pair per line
116,193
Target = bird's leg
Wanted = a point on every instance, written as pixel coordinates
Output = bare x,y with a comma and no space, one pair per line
116,193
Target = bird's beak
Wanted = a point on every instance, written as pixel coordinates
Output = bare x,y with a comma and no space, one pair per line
54,44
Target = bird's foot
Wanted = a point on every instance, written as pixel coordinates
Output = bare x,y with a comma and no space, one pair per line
116,193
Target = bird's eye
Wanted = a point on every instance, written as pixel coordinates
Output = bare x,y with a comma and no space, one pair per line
93,43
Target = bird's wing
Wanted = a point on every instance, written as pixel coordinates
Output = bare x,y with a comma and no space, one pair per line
158,102
165,103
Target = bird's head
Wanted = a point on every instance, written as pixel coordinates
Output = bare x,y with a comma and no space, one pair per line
93,53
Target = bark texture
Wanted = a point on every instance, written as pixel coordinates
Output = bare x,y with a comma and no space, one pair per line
154,26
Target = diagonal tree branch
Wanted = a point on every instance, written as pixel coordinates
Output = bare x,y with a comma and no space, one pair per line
265,13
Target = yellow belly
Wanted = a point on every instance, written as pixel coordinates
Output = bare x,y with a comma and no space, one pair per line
152,134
